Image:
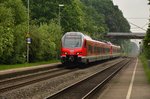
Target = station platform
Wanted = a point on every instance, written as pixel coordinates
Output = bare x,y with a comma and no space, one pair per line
22,69
130,83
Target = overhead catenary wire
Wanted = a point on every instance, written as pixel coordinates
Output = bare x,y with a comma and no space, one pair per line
137,26
138,18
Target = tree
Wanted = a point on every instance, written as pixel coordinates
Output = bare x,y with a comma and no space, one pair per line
6,32
12,29
45,41
72,16
147,43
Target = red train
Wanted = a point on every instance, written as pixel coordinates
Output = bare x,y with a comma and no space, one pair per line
77,47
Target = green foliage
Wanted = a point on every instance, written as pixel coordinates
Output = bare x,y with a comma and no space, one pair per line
12,29
95,23
6,36
18,10
147,44
113,17
42,11
45,41
72,16
93,16
19,45
144,61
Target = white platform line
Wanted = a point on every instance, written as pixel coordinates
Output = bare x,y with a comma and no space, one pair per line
131,83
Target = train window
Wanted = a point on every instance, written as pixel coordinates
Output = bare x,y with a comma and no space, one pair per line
106,50
72,41
89,48
103,50
84,43
114,50
98,50
95,49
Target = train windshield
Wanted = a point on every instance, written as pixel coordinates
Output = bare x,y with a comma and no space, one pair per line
72,41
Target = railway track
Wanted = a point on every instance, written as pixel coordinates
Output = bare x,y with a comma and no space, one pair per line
85,88
27,79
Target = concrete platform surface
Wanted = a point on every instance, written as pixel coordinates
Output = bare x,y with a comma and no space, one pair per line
130,83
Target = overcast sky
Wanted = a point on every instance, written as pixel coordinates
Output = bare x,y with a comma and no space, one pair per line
136,12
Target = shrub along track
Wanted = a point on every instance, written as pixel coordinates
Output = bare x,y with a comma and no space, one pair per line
85,88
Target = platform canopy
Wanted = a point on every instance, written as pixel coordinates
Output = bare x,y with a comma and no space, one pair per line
119,35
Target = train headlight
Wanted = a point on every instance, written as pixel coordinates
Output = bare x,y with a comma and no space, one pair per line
65,53
78,53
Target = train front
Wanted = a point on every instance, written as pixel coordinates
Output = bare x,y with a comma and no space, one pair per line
73,50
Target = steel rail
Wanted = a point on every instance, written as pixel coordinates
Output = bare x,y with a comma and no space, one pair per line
104,82
24,77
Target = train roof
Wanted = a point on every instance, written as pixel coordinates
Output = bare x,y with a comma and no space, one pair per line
78,33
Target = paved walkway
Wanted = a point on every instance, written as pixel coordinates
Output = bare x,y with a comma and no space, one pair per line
131,83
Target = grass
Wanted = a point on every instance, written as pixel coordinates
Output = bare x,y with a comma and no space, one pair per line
5,67
145,65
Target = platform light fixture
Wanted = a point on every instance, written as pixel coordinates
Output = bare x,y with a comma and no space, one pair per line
59,17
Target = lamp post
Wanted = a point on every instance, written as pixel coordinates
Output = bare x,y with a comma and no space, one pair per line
59,18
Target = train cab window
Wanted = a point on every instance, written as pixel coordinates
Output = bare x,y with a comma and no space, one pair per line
72,41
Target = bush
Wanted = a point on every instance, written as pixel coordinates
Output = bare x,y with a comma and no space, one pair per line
144,61
147,44
45,41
